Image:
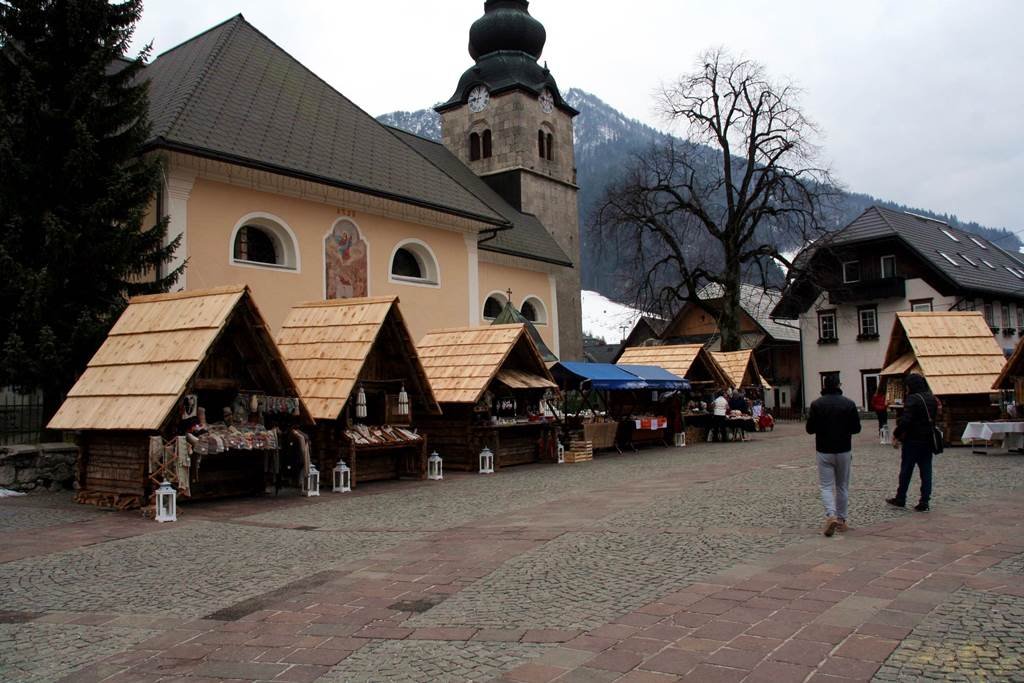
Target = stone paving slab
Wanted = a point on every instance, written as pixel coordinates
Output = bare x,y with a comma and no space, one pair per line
704,563
38,653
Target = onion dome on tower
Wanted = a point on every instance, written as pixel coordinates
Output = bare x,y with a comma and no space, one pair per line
506,43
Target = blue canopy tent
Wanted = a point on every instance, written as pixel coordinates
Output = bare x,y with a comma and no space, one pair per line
631,383
608,377
658,378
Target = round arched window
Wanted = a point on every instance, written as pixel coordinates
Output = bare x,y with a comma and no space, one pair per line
261,240
406,265
533,310
413,262
255,245
493,307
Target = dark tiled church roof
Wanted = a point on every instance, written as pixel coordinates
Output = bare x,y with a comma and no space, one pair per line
231,93
528,237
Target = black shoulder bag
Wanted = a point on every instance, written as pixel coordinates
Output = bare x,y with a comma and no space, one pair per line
937,438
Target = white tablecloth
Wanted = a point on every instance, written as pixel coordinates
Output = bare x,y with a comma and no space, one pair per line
1010,433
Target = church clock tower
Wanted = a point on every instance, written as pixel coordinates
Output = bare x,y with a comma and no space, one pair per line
508,122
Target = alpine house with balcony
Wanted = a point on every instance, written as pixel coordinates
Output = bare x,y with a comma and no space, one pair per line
854,281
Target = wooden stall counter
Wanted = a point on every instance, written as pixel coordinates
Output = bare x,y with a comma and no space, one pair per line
385,452
514,443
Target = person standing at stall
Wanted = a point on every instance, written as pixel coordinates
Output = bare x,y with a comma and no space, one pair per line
720,408
881,409
915,430
833,420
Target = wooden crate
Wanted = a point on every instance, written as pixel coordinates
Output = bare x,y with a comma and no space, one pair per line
580,451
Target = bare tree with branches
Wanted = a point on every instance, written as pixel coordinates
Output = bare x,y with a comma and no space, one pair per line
726,204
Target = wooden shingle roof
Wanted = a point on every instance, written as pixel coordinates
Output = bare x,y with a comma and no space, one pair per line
151,354
679,359
955,351
740,367
462,362
325,345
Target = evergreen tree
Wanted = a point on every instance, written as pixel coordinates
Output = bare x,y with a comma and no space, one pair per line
77,228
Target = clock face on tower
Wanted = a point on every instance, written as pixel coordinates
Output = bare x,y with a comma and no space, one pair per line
547,101
478,98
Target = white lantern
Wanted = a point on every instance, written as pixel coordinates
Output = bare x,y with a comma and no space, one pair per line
311,482
681,440
342,478
486,461
361,404
884,438
166,503
403,402
435,467
561,453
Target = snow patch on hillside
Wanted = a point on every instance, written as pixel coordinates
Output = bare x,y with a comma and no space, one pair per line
606,319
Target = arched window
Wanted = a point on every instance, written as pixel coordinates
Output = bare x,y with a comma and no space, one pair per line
551,144
540,143
263,240
534,311
487,144
413,262
474,146
494,305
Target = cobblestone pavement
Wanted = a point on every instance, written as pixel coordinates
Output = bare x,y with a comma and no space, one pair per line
1011,565
704,563
429,661
34,653
190,570
975,636
584,580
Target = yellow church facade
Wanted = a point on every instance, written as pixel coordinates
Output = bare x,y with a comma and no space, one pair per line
275,180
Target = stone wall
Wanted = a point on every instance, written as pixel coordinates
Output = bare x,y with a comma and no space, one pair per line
48,465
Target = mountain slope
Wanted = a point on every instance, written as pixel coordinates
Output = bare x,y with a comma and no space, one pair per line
606,142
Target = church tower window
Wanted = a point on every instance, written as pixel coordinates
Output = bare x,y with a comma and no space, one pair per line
541,144
551,146
487,144
474,146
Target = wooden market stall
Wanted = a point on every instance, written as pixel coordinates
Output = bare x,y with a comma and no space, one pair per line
348,353
742,370
623,405
694,363
956,352
187,387
492,385
1011,378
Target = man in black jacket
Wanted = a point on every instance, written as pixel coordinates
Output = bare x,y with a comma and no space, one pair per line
914,430
834,419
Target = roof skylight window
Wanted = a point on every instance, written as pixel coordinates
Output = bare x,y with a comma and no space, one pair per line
949,258
1016,273
988,264
979,242
950,235
967,258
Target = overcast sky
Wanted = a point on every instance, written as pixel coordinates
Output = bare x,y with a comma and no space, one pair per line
920,101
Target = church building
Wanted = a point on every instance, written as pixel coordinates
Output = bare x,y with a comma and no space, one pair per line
275,180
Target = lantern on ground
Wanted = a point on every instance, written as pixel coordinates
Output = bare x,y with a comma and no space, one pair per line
486,461
884,438
311,482
681,440
166,503
403,402
435,467
342,478
361,404
561,453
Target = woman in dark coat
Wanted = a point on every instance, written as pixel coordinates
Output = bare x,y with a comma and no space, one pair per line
914,430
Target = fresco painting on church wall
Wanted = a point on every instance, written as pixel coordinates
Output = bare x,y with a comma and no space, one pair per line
345,262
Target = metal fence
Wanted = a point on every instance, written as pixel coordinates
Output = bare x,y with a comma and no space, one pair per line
21,416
